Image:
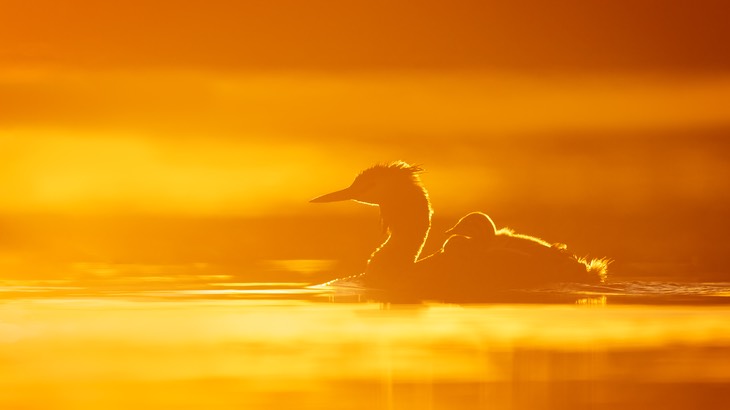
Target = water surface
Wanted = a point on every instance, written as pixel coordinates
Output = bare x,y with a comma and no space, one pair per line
209,341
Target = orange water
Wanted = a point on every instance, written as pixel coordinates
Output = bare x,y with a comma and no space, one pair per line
181,350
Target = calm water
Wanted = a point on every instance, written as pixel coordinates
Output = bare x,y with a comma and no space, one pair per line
138,339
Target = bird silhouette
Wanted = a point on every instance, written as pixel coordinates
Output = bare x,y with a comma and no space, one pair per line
468,266
555,262
479,227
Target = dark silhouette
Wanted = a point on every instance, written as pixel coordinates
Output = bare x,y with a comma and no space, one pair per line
476,262
476,235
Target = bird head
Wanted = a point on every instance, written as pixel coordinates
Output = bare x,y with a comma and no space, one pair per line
377,185
474,225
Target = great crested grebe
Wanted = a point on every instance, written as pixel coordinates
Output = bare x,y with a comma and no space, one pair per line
458,270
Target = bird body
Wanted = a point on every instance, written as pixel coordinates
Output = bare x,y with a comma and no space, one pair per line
476,261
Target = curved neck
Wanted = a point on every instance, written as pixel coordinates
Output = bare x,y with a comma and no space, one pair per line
407,222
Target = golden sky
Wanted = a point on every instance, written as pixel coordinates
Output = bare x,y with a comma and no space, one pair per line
254,107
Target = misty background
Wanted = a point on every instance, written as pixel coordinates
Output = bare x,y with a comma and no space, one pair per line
190,137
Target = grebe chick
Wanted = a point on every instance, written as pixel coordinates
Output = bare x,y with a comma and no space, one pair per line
486,240
474,233
479,226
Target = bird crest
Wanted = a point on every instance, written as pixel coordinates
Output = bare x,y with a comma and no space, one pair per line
392,169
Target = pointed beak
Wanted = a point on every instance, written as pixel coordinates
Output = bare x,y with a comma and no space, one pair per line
341,195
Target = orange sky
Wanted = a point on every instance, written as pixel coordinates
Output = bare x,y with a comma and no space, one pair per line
232,35
253,107
249,143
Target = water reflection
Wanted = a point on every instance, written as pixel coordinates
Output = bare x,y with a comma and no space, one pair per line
189,281
189,336
115,353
